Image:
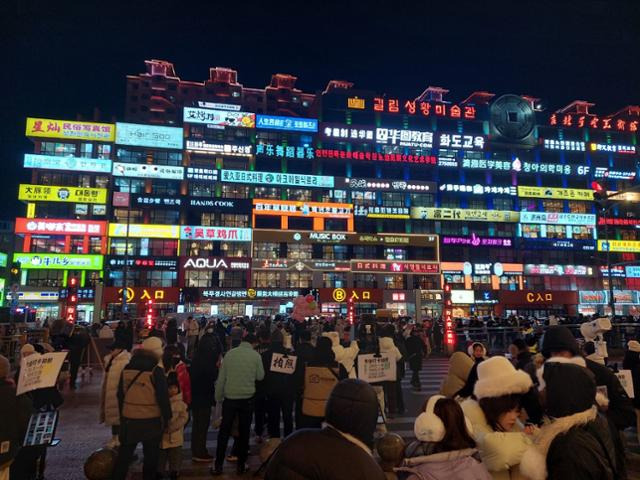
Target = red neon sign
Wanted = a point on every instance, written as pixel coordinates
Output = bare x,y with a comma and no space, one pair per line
376,157
592,121
426,109
618,221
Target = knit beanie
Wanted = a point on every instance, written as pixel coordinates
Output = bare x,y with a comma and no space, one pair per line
153,345
352,408
570,389
558,339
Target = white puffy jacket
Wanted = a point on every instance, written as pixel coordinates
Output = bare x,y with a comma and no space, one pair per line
387,346
345,356
501,452
109,408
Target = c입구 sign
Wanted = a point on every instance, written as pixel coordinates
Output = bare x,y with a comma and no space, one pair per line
153,136
79,164
292,124
70,130
143,170
271,178
219,118
58,261
35,193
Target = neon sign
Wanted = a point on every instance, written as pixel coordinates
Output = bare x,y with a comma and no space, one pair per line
569,145
429,268
293,124
634,222
466,142
58,261
348,133
154,136
60,227
222,234
147,171
476,241
219,118
271,178
381,212
199,173
201,146
376,157
604,172
425,109
463,214
302,209
558,193
478,189
559,270
592,121
404,138
615,148
80,164
483,164
284,151
215,263
558,218
379,184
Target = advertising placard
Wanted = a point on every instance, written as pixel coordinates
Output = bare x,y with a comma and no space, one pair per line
141,230
70,130
464,214
219,118
78,164
374,368
35,193
292,124
39,371
153,136
143,170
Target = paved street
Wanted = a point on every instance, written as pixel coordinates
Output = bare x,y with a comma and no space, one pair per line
80,433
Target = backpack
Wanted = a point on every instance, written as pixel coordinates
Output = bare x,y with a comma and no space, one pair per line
318,383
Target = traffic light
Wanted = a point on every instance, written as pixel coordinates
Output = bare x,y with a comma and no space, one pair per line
72,300
599,194
149,320
15,272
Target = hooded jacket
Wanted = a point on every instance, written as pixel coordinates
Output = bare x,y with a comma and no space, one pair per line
459,367
389,347
454,465
344,356
109,408
501,452
204,371
173,435
341,450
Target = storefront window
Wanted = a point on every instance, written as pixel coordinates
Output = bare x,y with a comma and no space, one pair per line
234,220
552,206
556,231
531,231
54,244
104,150
44,278
582,232
481,279
53,148
129,185
264,250
509,282
86,150
231,279
364,252
235,249
165,217
195,278
299,194
162,248
334,252
131,156
365,280
578,207
266,279
298,279
235,191
202,189
164,187
95,245
365,199
393,199
395,254
299,252
267,192
102,181
334,280
422,200
503,204
167,158
160,278
77,244
394,281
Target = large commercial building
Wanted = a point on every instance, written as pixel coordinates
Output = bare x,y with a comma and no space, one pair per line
213,197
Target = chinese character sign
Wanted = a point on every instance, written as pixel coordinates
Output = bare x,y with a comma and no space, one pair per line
79,164
223,234
269,178
293,124
374,368
39,371
34,193
70,130
219,118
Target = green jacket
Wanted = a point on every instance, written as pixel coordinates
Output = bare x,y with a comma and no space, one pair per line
241,369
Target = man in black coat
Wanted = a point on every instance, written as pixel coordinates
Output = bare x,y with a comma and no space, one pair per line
342,449
415,351
305,352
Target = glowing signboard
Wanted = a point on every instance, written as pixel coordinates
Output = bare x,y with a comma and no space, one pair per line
219,118
50,226
376,157
380,184
558,270
143,170
592,121
632,246
626,222
143,230
486,164
249,294
557,193
70,130
601,297
214,263
422,108
35,193
387,266
151,200
604,172
569,145
558,244
58,261
232,150
292,124
404,138
462,297
153,136
476,241
550,168
200,173
284,151
348,133
221,234
465,142
272,178
462,214
79,164
478,189
612,148
302,209
558,218
381,212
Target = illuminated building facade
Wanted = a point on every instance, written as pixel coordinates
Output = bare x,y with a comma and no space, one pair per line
222,198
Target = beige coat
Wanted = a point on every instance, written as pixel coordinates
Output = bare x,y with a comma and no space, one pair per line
459,367
173,435
501,452
109,408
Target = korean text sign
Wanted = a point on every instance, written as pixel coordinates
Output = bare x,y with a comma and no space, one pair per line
70,130
58,261
34,193
293,124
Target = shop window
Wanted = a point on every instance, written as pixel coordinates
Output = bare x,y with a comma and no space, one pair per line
198,249
199,279
122,214
299,279
164,187
365,280
118,246
104,150
102,181
299,252
235,191
531,231
265,250
95,245
422,200
334,252
234,249
129,185
162,248
267,192
162,278
365,199
86,150
478,203
299,194
552,206
54,244
266,279
45,278
77,245
232,279
503,204
395,254
393,199
131,156
234,220
165,217
54,148
364,252
534,283
167,158
394,281
579,207
197,189
334,280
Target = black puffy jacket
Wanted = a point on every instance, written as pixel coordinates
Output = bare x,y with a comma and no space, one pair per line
275,384
204,371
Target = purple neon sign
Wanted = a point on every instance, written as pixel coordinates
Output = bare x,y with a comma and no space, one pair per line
476,241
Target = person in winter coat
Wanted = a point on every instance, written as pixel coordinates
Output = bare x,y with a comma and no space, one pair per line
460,365
632,362
523,358
387,346
415,352
345,356
78,342
559,342
171,331
445,449
576,444
204,373
260,401
114,363
279,387
323,358
192,331
14,420
314,454
478,352
500,436
304,353
173,436
173,361
145,409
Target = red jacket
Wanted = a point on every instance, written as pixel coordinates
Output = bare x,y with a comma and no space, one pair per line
185,382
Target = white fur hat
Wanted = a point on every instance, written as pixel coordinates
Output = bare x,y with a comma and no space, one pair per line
428,427
497,377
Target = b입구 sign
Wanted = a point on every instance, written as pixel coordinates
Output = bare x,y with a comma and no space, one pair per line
50,226
222,234
463,214
153,136
80,164
58,261
293,124
70,130
35,193
271,178
219,118
143,170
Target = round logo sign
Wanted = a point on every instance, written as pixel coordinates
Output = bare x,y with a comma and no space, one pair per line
339,294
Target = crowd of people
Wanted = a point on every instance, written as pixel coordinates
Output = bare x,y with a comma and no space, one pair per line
542,409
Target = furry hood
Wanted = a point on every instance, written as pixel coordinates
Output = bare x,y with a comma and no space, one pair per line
334,337
574,360
634,346
534,461
386,344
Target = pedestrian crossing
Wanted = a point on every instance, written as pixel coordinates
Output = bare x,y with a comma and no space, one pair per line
434,369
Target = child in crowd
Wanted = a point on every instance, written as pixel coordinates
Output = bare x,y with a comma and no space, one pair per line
173,437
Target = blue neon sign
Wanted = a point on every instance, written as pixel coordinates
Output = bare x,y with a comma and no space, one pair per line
294,124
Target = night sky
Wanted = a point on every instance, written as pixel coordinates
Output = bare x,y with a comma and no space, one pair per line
63,58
